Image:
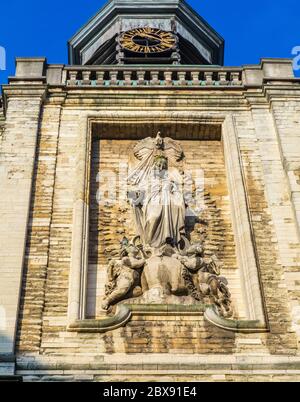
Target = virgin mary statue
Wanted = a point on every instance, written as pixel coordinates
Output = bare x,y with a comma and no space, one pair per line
156,192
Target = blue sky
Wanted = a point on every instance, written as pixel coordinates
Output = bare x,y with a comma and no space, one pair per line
260,28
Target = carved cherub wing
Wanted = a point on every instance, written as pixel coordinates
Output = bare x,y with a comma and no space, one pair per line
173,150
143,148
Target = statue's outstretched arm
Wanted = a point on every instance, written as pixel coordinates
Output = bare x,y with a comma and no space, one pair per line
133,263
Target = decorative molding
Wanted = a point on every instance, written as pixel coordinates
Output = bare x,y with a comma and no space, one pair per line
245,326
79,253
120,319
124,313
244,239
167,309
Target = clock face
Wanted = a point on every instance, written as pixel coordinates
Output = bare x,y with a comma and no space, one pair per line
148,40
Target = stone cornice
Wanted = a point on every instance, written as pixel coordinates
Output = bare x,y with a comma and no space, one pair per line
22,91
163,361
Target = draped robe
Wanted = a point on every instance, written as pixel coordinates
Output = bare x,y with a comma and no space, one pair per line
159,214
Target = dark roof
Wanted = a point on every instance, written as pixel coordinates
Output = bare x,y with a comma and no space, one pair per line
118,15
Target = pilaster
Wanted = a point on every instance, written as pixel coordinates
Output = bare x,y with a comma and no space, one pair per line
23,99
277,131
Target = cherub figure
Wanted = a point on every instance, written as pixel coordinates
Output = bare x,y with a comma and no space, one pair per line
123,276
207,278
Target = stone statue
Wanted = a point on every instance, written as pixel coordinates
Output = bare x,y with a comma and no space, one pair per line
160,265
123,276
156,192
207,281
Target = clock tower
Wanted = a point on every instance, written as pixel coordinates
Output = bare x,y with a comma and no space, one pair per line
149,207
146,32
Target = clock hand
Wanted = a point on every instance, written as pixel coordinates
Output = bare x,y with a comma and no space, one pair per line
142,35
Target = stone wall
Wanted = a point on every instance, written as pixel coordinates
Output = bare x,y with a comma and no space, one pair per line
18,152
42,152
36,263
147,335
287,125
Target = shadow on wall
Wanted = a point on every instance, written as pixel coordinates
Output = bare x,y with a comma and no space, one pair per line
5,340
94,228
7,360
173,336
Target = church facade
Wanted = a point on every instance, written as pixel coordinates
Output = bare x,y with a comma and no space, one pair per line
101,280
